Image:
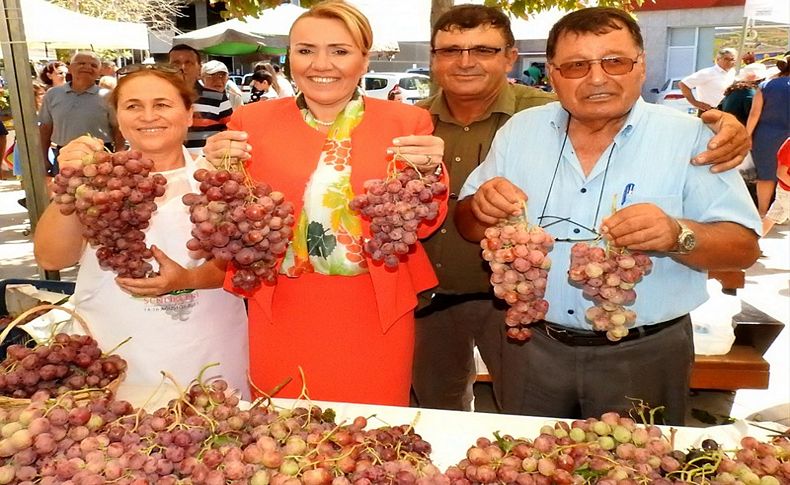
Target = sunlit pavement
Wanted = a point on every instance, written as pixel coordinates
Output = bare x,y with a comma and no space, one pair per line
767,289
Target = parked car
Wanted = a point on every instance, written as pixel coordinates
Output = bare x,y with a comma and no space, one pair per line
671,95
425,71
413,87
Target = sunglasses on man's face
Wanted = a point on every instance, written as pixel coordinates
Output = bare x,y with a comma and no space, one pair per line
615,66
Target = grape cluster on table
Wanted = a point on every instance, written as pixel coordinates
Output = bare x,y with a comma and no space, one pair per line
205,437
395,208
614,450
113,196
238,220
517,253
608,276
67,363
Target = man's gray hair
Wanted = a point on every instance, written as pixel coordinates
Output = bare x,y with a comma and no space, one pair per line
727,50
86,53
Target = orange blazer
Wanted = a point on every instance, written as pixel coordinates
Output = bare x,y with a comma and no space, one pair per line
285,154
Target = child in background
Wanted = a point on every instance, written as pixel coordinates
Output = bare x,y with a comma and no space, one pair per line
779,211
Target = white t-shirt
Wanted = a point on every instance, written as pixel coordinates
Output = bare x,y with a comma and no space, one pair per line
710,84
180,332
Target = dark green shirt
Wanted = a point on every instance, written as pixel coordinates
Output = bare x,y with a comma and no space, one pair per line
457,262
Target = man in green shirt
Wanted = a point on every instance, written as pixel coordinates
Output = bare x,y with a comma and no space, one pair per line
472,53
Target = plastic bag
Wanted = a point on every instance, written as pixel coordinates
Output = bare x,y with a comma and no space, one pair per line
714,330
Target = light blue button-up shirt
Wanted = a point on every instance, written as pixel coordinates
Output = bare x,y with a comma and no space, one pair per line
648,162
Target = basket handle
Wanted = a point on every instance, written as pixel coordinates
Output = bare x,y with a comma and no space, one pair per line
76,316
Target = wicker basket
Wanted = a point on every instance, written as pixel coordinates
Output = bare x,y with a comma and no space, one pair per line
79,395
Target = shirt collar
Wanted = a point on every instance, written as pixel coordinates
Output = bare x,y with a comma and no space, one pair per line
560,119
504,103
92,90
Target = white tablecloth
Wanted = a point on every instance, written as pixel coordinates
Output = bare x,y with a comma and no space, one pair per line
451,433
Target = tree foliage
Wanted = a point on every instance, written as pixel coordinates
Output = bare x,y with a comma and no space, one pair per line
519,8
157,14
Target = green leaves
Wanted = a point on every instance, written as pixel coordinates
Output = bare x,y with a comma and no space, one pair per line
519,8
319,242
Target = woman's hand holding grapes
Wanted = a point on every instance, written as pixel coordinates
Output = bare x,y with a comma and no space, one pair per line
73,154
227,144
172,276
424,152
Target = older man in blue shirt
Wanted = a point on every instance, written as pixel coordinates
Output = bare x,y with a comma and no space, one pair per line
77,108
602,141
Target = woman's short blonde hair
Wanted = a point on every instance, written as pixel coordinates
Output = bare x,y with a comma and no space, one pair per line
354,20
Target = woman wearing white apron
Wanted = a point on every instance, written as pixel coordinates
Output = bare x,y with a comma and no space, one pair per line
182,319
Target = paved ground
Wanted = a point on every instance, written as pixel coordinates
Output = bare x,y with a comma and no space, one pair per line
767,290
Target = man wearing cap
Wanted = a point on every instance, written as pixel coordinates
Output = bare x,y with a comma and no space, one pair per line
710,82
212,110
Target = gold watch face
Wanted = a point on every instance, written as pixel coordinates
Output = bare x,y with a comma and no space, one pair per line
687,241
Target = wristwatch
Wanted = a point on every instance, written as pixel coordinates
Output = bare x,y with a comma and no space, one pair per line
687,240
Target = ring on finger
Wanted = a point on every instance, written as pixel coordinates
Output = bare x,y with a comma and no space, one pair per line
428,159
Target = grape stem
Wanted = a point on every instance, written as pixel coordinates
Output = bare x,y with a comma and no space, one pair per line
112,350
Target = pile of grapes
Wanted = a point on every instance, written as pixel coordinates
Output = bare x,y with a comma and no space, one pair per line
67,363
238,220
395,208
518,255
615,450
113,196
607,277
203,438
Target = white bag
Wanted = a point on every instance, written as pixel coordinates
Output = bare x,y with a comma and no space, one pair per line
747,163
714,330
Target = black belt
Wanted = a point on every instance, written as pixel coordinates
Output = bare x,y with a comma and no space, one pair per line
584,338
441,301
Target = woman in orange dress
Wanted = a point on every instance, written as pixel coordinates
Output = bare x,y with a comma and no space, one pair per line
346,320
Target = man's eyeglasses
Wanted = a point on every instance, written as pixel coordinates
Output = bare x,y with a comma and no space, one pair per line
130,68
478,52
590,232
616,66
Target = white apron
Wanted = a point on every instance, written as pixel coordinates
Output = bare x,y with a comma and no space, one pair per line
180,332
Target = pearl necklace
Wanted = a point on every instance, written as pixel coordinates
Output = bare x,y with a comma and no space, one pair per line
319,122
323,123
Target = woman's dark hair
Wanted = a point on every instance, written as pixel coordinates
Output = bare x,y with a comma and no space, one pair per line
186,92
593,20
464,17
262,75
784,65
49,69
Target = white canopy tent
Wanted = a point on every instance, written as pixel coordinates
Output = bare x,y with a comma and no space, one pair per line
56,27
269,30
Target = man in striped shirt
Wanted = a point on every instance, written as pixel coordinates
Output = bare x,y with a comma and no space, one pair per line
212,110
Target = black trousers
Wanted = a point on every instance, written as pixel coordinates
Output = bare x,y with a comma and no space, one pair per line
545,377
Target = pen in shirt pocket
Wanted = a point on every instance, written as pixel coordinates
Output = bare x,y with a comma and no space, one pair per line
627,191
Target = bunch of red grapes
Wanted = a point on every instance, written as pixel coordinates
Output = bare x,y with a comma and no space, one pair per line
66,363
615,450
518,255
395,208
241,221
608,277
113,197
204,437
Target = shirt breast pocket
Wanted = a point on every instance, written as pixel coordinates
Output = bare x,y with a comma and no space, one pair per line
672,205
